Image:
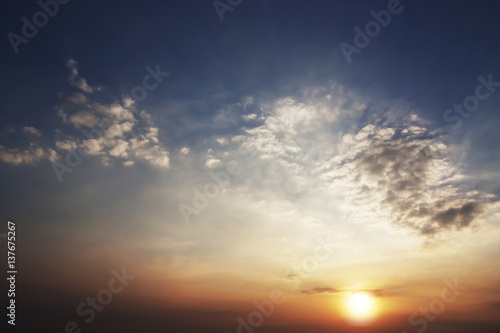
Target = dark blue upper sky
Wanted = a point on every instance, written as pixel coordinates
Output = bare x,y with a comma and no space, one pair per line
430,54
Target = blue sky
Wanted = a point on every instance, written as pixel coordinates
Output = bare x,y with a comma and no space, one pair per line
358,148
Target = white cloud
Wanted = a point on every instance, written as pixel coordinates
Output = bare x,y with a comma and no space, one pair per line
142,149
251,116
66,145
212,162
33,131
120,149
222,141
75,79
93,146
119,130
128,102
31,156
83,118
115,111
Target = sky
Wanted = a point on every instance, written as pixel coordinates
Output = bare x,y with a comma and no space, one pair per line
251,166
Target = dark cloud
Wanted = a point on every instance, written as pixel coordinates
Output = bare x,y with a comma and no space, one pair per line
403,160
437,219
291,275
374,292
460,217
400,164
331,290
320,290
409,170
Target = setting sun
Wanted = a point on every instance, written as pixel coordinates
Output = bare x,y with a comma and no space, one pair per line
360,308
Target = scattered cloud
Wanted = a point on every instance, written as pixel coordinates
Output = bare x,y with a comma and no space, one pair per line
31,156
127,135
32,152
114,130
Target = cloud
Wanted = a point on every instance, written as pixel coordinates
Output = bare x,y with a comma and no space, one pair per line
461,217
66,145
212,162
30,153
111,130
31,156
320,290
75,79
408,176
33,131
129,135
293,276
330,290
222,141
386,166
83,118
248,117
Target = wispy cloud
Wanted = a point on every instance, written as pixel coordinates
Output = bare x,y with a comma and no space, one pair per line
330,290
321,290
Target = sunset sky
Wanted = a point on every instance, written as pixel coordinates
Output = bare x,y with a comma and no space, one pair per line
252,166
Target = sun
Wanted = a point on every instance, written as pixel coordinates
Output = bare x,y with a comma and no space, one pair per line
360,308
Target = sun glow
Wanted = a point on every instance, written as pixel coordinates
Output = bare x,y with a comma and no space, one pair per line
360,308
